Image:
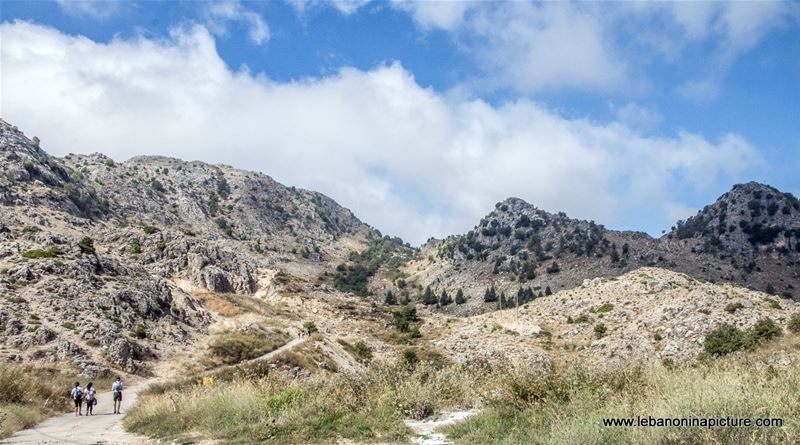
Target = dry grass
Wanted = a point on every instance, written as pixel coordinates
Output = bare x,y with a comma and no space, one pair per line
31,393
217,304
566,405
368,407
235,347
560,403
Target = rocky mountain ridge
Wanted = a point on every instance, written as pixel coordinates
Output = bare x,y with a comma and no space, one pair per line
749,236
128,265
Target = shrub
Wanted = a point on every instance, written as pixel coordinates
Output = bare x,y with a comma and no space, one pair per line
774,304
733,307
309,327
794,323
86,245
135,248
149,230
600,330
606,307
460,298
236,347
39,253
763,331
553,268
223,225
724,340
140,332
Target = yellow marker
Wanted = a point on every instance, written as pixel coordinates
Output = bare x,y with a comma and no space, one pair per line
208,381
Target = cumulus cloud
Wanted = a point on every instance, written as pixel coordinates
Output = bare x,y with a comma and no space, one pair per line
219,16
410,160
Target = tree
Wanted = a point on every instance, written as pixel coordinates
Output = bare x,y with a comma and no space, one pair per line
547,291
428,297
460,299
86,245
309,327
490,295
390,299
554,268
445,299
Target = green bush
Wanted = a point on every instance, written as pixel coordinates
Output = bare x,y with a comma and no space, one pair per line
733,307
39,253
606,307
794,323
724,340
309,327
140,332
763,331
600,330
149,230
86,245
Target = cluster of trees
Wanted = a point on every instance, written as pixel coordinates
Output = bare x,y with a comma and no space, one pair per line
429,297
386,251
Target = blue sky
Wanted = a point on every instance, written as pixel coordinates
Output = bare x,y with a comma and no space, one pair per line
418,116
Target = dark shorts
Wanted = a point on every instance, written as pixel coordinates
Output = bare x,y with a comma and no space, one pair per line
78,403
117,396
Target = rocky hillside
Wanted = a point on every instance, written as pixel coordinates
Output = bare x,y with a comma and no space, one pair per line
750,236
648,315
99,259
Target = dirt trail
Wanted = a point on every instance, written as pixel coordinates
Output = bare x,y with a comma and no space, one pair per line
426,429
102,428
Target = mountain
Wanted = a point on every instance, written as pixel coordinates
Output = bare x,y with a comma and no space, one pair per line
749,236
161,266
104,263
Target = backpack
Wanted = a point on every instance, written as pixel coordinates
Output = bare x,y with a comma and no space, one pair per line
77,393
89,395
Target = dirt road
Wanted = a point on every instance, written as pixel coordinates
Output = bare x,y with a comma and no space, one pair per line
102,428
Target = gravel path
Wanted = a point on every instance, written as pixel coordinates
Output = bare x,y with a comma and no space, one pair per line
102,428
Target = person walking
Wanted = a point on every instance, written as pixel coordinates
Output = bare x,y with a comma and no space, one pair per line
77,397
116,390
90,397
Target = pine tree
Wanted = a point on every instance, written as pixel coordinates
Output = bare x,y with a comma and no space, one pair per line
547,291
460,299
490,295
429,297
390,299
445,299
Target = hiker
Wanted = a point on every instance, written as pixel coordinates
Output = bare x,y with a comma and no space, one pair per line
90,397
77,396
116,389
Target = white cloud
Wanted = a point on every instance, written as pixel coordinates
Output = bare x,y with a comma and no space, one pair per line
530,47
638,116
699,91
96,9
432,14
410,160
346,7
219,15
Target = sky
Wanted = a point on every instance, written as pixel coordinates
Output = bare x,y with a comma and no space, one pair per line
420,116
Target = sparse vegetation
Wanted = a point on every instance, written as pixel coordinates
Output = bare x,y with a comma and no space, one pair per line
31,393
794,323
50,252
733,307
600,330
235,347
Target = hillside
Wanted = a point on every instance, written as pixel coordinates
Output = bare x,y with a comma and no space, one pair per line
104,264
749,236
